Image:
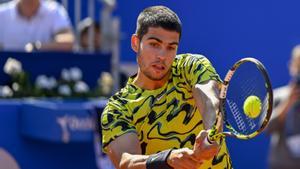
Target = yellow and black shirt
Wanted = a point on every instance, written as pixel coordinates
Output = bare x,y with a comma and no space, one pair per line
166,117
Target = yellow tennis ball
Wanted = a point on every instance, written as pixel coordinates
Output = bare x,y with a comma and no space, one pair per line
252,106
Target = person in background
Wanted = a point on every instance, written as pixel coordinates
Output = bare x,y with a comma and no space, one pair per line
84,27
35,25
159,120
284,125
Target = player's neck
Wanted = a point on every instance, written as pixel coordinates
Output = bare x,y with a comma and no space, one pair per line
144,82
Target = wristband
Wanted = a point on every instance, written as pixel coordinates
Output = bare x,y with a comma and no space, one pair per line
159,160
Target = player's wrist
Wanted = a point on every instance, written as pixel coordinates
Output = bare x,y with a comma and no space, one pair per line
159,160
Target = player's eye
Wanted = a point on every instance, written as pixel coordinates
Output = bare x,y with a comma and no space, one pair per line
154,44
171,48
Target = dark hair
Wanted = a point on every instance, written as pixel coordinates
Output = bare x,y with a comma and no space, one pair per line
157,16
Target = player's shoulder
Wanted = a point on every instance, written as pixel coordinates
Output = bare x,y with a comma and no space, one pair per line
119,99
189,59
186,56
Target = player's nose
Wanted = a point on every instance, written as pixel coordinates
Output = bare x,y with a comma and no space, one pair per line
162,54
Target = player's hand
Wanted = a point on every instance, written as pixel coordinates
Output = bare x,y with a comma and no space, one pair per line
183,159
203,150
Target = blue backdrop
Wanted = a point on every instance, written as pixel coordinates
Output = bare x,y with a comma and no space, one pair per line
224,31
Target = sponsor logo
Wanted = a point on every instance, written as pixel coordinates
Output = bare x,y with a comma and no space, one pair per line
70,124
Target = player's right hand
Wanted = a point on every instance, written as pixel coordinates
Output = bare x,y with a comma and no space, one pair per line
204,150
183,159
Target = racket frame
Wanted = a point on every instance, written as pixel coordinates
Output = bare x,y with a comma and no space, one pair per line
214,132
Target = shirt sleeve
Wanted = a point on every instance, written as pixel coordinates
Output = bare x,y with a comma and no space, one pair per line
197,69
115,121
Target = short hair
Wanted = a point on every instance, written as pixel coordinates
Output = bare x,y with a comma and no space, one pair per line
157,16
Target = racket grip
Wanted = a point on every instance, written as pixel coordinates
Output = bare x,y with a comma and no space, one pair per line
208,141
209,138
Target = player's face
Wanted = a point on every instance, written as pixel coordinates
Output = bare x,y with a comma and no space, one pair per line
156,52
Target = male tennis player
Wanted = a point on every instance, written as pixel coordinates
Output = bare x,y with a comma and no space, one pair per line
158,120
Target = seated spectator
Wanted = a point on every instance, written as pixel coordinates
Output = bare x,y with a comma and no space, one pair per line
83,28
35,25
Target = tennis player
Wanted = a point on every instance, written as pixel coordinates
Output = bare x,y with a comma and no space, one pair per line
159,120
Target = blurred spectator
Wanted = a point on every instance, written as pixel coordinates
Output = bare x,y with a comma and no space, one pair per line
85,27
284,126
35,25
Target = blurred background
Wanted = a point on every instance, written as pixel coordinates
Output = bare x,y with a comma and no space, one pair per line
52,96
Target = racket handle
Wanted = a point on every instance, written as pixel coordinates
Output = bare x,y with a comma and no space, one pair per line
208,141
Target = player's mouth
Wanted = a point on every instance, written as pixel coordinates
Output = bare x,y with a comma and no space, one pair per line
159,67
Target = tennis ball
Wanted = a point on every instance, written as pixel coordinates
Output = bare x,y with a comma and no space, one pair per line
252,106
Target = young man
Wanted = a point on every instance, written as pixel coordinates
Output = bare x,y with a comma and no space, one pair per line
159,119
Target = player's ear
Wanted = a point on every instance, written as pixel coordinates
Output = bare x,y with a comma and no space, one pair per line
135,42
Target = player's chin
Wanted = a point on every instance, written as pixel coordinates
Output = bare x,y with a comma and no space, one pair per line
158,76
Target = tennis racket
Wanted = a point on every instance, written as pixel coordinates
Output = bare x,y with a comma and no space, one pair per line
247,77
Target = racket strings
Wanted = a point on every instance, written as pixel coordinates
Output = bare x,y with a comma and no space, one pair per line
247,81
237,115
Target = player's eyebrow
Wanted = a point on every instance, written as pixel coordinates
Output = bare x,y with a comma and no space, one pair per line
159,40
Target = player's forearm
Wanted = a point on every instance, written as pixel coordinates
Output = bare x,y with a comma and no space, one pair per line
171,158
207,102
130,161
209,114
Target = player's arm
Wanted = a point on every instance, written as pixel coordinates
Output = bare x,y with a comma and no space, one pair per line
207,100
125,153
204,83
